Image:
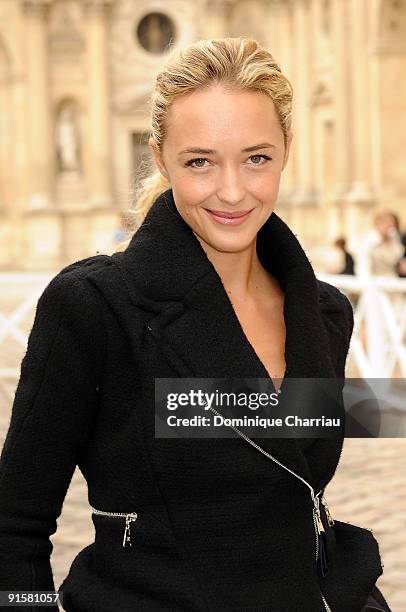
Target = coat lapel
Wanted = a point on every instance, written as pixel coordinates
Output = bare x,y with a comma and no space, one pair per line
168,274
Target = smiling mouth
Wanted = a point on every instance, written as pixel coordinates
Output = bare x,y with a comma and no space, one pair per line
228,218
228,215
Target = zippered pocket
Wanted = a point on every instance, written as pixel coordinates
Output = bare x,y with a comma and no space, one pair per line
129,517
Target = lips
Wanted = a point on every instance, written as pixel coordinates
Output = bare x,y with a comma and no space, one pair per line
228,218
228,215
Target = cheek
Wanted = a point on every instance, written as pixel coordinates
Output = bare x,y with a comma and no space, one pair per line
186,200
265,187
189,193
192,189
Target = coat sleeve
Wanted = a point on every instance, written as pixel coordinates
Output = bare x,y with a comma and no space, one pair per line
54,405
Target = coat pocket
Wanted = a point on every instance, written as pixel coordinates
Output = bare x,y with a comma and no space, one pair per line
126,518
153,568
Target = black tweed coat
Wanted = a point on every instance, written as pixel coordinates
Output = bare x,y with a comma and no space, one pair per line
219,525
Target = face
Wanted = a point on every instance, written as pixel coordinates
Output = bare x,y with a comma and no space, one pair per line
223,153
385,223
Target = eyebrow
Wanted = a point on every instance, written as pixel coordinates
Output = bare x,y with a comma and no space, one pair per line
262,145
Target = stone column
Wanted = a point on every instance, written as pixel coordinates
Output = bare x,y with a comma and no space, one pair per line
339,24
98,142
302,150
319,101
13,151
361,191
282,50
20,166
38,106
330,95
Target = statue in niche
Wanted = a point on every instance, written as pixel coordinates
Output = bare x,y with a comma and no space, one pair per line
67,139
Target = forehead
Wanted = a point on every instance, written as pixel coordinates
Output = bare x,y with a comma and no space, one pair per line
384,217
216,112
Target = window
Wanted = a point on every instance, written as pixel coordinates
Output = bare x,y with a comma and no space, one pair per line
155,31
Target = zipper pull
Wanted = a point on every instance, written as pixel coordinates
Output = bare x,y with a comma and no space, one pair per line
322,564
328,513
320,526
127,534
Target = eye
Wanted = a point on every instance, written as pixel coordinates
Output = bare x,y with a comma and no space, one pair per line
197,159
195,163
266,157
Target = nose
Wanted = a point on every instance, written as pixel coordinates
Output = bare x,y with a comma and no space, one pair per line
230,188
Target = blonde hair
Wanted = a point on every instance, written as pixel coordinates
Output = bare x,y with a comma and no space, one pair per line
238,63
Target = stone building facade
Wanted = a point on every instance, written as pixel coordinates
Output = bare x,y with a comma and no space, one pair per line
75,76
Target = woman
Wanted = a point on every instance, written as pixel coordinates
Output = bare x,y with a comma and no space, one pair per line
188,524
382,248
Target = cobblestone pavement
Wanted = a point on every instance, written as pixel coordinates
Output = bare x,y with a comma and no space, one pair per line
369,490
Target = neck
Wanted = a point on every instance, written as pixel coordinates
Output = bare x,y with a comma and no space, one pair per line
241,272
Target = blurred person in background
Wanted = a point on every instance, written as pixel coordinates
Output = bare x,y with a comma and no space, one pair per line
326,258
402,263
120,234
348,268
382,248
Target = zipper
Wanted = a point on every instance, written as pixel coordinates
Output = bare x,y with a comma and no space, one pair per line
328,514
318,524
325,603
129,518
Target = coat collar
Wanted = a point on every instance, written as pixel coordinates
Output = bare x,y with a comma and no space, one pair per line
168,275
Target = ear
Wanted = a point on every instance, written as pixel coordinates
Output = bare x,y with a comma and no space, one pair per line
158,157
287,150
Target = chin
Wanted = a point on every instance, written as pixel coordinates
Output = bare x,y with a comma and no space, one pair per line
228,244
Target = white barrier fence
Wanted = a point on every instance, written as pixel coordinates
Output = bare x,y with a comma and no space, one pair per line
378,344
23,290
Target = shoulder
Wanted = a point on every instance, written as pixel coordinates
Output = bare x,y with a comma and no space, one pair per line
336,307
82,267
68,320
331,297
74,278
70,298
338,319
